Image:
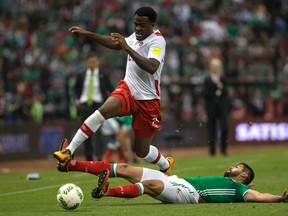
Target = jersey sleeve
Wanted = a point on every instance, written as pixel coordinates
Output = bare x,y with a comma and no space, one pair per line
157,48
241,190
127,39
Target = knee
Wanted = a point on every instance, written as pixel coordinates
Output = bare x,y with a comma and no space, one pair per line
141,151
104,112
122,169
141,154
153,187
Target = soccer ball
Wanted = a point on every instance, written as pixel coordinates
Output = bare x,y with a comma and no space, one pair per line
70,196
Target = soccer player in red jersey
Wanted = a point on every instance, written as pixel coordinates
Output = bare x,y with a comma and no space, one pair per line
138,94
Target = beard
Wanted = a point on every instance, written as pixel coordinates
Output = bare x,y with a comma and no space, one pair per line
229,174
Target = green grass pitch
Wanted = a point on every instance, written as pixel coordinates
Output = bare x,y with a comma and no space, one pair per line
19,196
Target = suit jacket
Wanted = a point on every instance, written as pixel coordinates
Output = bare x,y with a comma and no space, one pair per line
105,85
213,101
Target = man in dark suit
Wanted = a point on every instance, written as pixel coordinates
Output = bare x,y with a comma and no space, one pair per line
217,106
92,88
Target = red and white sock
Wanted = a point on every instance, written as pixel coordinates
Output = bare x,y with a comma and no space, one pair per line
155,157
92,167
126,191
89,126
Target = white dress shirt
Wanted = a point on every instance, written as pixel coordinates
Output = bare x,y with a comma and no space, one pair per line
97,97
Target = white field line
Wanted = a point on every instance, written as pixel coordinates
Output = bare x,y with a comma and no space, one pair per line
40,188
31,190
79,175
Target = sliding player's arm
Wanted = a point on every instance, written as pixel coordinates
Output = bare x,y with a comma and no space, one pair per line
255,196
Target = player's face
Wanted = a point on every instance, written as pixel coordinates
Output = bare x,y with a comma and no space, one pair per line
215,68
234,171
92,62
143,27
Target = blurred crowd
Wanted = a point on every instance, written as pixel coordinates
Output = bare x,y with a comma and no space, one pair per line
39,58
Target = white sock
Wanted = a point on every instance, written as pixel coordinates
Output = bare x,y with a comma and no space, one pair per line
90,126
94,121
79,138
113,168
141,188
155,157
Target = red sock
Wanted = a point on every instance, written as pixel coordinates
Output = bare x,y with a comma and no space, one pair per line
92,167
126,191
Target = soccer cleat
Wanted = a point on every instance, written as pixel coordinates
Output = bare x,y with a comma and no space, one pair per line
63,155
63,167
103,185
171,163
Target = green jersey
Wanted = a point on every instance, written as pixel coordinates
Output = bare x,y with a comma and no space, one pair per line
218,189
125,121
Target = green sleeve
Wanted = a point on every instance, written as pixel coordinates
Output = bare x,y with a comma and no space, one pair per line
241,190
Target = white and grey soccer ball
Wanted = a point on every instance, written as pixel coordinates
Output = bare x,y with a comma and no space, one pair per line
70,196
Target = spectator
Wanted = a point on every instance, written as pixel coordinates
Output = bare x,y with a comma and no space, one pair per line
36,109
92,88
258,106
217,106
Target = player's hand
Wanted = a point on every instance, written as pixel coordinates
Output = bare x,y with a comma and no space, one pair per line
284,196
77,30
77,102
250,185
120,40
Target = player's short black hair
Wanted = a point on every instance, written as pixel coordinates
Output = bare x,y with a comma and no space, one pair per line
147,11
250,173
91,54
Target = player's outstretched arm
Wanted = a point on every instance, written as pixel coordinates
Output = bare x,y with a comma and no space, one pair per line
104,40
255,196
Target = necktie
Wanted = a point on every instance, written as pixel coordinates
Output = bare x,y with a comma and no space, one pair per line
90,90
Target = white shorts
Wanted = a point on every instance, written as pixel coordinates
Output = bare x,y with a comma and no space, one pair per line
176,190
110,127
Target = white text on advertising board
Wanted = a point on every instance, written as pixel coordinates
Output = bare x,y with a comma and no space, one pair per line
261,132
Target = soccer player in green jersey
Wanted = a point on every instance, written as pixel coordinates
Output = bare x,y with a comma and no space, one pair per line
234,186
